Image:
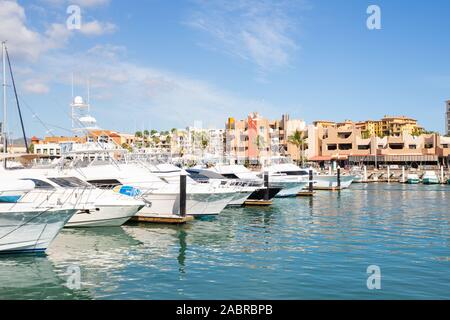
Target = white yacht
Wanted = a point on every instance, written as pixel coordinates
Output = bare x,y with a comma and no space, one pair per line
107,208
29,221
244,189
290,185
430,177
321,181
161,194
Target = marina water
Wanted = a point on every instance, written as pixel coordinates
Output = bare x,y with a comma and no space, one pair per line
299,248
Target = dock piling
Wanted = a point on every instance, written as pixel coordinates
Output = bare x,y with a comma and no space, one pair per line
311,183
266,186
339,177
182,195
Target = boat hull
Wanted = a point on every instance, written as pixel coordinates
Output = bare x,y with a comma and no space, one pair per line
290,189
103,216
31,231
259,194
196,204
430,181
330,182
239,199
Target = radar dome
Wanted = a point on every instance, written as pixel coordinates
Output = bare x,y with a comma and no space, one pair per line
78,100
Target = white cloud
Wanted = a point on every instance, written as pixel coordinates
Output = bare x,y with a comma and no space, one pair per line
82,3
96,28
22,40
259,31
143,93
29,44
33,86
90,3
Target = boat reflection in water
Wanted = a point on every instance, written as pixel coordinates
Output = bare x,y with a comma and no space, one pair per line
101,254
33,277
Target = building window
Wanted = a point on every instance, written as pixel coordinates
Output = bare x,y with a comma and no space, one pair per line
412,146
345,146
332,147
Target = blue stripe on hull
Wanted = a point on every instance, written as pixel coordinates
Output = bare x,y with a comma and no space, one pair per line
25,251
9,199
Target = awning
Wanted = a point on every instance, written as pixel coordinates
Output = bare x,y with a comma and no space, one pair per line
320,158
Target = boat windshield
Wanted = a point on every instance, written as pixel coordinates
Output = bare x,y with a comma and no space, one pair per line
39,184
70,182
295,173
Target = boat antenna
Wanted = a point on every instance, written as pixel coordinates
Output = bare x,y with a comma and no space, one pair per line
89,94
17,101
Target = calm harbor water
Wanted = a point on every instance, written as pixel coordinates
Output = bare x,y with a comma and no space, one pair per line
301,248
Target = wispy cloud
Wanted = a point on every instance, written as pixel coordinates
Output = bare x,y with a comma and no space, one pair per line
259,31
25,42
145,92
28,43
97,28
120,88
82,3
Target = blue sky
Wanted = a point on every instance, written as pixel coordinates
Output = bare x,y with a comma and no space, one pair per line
163,64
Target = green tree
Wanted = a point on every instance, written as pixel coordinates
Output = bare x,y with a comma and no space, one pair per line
126,146
153,132
146,133
298,139
138,134
365,134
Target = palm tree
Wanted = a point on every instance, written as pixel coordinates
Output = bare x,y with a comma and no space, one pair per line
298,139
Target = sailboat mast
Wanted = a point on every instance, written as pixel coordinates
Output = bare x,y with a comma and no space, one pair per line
4,129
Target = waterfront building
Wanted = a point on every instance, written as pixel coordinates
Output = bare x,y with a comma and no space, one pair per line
256,139
346,144
447,117
389,126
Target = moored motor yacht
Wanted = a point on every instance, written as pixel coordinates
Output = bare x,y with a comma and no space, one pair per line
412,178
242,174
30,220
161,195
106,207
321,181
430,177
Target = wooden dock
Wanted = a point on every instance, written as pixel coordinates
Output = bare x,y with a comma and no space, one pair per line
305,194
329,188
263,203
163,219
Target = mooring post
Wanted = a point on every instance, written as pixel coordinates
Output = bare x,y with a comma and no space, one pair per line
365,174
183,195
311,183
388,174
403,174
339,177
266,186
